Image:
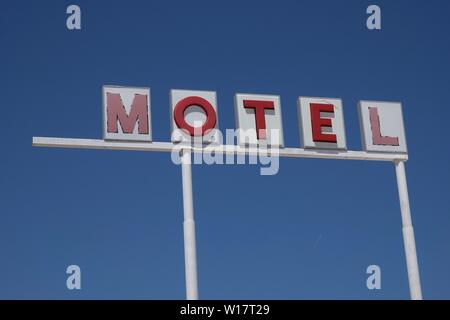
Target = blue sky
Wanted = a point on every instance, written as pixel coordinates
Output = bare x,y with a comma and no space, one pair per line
308,232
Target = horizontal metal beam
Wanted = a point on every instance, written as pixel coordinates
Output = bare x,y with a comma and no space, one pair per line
220,149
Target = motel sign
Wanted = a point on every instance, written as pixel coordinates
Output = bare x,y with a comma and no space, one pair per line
127,125
127,116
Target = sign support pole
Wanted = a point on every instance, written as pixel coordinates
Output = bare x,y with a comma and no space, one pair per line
190,254
408,233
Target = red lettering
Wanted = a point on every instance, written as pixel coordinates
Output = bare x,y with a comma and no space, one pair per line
259,106
116,113
318,122
181,107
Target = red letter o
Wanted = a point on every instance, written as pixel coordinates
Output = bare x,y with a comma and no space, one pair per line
185,103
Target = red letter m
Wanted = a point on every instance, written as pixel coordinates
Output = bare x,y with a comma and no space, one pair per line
116,113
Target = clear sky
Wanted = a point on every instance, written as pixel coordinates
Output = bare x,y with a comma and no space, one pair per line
308,232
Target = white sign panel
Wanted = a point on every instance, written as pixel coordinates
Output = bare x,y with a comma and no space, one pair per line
126,113
258,119
382,126
322,123
194,116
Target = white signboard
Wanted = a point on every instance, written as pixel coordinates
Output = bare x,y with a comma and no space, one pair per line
258,120
126,113
322,123
382,126
194,116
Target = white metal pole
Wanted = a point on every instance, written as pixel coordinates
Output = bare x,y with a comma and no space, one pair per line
190,255
408,233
